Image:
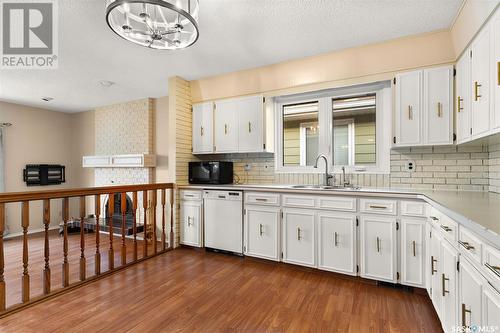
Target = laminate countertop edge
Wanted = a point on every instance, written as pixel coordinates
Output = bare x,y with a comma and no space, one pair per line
477,211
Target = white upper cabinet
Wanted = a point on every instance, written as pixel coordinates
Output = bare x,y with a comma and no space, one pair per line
203,117
463,102
495,71
251,124
438,105
226,126
235,125
424,104
408,108
480,83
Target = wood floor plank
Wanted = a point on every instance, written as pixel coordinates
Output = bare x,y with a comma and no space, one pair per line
192,291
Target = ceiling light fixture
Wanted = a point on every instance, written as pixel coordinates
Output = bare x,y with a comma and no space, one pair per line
106,83
157,24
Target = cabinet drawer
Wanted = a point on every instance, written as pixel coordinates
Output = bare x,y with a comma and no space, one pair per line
377,206
337,203
470,244
299,201
413,208
190,195
491,261
449,228
259,198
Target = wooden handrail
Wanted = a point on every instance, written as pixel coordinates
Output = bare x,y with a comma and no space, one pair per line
150,205
77,192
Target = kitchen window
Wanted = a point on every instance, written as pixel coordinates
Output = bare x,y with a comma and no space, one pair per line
351,126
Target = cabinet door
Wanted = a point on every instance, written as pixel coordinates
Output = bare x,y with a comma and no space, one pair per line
463,102
412,252
262,232
190,224
495,70
299,237
471,283
480,83
203,128
435,270
337,242
250,124
491,307
226,126
448,288
378,248
438,105
408,108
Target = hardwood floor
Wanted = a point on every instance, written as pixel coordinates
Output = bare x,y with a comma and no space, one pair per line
192,291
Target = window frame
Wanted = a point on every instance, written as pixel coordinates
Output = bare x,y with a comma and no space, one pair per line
351,139
383,93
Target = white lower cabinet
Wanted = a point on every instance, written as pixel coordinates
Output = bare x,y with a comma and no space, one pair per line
299,237
435,269
262,232
190,223
412,252
491,307
471,284
337,242
378,248
448,290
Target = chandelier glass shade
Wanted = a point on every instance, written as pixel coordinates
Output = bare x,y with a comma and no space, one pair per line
157,24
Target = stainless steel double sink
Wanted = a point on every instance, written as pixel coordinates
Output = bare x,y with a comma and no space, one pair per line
323,187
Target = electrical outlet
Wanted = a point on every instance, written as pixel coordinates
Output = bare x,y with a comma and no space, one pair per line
410,166
248,167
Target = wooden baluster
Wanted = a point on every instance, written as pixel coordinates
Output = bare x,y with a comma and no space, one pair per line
153,208
65,265
124,217
2,261
25,216
83,262
172,193
111,211
97,213
145,206
46,251
163,202
134,201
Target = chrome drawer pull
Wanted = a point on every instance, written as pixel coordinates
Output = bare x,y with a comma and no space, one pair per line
446,228
261,199
493,268
378,244
335,239
432,265
433,218
414,248
443,280
466,245
299,236
378,207
464,311
261,231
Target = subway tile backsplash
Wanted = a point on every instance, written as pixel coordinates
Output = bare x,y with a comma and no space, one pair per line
442,168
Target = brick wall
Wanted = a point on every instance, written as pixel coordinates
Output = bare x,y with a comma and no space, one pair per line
494,168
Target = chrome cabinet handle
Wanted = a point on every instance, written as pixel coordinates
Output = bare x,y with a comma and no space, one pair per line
225,128
432,265
459,104
299,236
410,112
446,228
378,207
249,127
261,199
261,231
464,312
414,248
439,109
378,244
433,218
498,73
201,131
335,239
189,221
189,195
466,245
476,91
493,268
443,282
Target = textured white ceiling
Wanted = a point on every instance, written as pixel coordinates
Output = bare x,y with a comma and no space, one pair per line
235,35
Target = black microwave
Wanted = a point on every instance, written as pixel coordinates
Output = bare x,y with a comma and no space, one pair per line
210,172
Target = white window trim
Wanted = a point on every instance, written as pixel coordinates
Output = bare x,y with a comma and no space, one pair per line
383,93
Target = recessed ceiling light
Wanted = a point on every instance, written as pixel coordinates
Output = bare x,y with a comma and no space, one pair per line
106,83
47,99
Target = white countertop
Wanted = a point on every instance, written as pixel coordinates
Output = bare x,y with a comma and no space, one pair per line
478,211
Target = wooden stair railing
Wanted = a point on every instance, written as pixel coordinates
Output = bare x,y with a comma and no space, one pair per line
149,203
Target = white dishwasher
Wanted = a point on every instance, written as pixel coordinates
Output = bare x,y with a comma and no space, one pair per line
223,220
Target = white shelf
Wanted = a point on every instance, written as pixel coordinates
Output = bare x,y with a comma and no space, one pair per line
120,161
